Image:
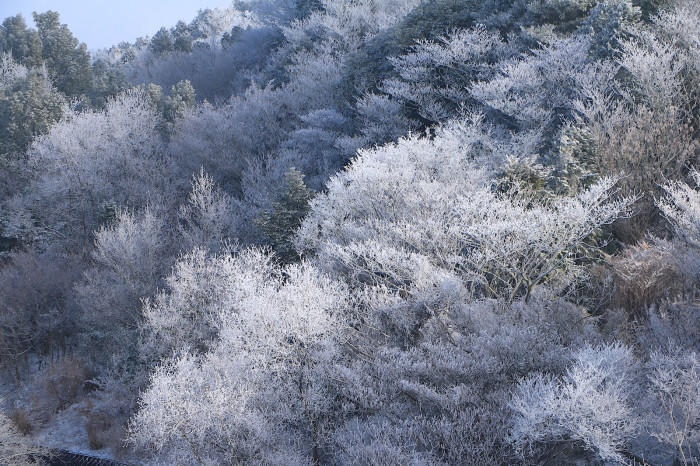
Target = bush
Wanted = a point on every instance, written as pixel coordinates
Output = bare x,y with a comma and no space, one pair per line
56,387
434,76
645,275
15,449
676,386
640,124
592,404
21,420
105,432
37,305
681,207
113,402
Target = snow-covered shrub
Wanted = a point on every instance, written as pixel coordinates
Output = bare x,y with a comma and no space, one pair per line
640,124
676,386
55,387
15,449
610,22
681,207
659,280
644,275
562,13
591,404
466,435
427,378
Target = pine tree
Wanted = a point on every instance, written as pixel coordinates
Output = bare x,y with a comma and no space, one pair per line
27,109
66,59
162,42
279,224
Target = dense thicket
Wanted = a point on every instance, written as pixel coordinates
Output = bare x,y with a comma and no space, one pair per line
357,232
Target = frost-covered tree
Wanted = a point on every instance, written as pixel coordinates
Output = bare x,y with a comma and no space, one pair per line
39,309
186,316
206,219
412,214
349,23
448,296
10,71
380,120
224,140
129,261
88,164
536,90
314,147
216,72
255,392
435,76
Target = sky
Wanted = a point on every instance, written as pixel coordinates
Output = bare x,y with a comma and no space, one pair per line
103,23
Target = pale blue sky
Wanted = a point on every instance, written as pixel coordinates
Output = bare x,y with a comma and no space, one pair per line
102,23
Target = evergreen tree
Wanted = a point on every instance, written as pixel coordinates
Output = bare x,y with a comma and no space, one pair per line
182,96
22,43
107,81
27,109
279,224
183,38
67,60
171,107
162,42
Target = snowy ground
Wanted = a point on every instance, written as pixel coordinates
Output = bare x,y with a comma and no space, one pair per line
66,431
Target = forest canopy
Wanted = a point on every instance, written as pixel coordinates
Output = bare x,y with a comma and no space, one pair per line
355,232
